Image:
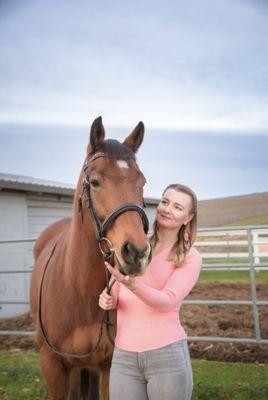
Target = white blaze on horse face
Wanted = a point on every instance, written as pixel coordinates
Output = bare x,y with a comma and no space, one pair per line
122,164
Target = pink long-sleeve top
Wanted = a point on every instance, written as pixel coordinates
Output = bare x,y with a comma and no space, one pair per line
148,317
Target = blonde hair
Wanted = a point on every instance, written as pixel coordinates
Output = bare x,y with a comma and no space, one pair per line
180,248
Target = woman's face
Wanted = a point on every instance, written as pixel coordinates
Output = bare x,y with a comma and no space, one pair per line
174,209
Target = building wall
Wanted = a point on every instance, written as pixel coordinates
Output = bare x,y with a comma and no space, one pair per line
23,216
41,212
13,217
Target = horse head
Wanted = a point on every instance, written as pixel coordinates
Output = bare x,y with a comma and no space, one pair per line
114,185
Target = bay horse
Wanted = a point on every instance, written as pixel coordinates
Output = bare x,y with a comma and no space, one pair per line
69,272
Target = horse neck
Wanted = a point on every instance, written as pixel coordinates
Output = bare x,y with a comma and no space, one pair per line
85,265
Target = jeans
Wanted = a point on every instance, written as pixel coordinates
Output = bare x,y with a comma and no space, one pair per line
164,373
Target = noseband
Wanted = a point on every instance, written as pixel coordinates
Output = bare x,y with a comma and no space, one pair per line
101,227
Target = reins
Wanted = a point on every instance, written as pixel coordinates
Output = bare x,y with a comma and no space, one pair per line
100,230
105,319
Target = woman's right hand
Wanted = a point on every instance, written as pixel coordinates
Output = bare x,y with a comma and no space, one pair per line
106,301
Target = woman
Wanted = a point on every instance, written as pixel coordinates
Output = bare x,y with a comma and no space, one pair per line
151,358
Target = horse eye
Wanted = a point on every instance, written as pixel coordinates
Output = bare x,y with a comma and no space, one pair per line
95,183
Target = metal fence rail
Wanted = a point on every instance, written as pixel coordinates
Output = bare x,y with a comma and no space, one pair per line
253,258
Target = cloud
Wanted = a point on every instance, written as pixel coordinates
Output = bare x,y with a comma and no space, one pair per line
194,65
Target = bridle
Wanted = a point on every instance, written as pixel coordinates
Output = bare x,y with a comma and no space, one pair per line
102,227
100,231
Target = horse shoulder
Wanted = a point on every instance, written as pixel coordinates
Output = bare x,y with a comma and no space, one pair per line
50,234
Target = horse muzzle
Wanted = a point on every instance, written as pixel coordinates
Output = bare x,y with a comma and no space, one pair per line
133,261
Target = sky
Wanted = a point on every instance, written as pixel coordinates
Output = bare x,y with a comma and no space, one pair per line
195,72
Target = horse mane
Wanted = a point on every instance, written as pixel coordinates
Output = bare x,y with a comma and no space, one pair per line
116,150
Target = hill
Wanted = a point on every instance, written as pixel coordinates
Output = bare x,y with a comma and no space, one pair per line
250,209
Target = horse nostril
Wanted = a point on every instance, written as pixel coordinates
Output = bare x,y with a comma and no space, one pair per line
131,254
128,247
128,251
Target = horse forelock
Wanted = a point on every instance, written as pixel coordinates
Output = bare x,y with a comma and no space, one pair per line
115,150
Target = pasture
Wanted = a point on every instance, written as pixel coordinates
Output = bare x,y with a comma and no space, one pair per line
251,209
231,276
20,379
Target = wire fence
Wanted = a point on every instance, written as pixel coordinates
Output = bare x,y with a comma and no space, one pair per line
238,248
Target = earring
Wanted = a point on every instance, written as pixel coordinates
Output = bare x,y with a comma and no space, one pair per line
186,238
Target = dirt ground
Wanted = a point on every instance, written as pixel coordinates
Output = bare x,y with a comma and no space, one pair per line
198,320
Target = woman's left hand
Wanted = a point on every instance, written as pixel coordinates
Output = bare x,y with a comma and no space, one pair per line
127,280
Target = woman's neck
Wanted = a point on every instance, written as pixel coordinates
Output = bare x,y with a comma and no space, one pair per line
166,237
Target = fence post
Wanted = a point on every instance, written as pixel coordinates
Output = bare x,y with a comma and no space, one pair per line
253,286
227,238
256,247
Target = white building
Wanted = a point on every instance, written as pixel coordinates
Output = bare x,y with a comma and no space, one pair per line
27,207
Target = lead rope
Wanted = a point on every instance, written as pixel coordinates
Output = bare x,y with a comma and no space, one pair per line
106,313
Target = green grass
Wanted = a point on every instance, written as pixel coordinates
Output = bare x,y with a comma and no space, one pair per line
217,380
232,275
20,378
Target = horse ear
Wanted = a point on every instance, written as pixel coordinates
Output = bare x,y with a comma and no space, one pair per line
134,140
97,134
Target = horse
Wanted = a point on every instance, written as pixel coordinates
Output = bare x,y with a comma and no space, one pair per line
69,272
